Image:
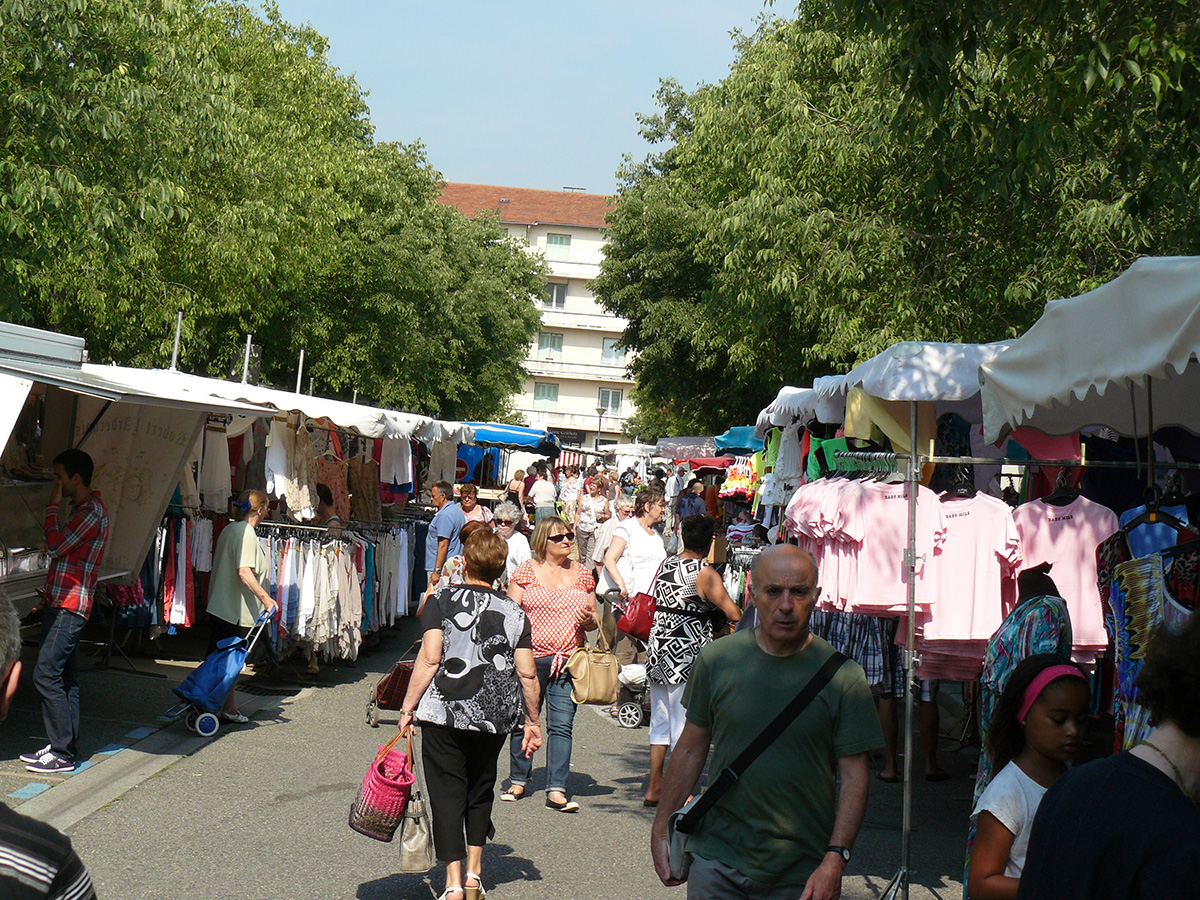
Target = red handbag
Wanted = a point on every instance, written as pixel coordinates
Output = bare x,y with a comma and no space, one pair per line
637,617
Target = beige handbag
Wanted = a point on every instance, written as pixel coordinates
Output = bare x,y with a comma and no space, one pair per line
594,673
416,833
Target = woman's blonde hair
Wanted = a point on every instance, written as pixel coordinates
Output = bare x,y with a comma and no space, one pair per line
518,475
250,501
542,532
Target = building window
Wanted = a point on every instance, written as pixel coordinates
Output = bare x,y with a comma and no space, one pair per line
610,399
558,246
550,344
555,296
613,354
545,395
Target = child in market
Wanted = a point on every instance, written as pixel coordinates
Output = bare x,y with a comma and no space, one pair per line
1036,729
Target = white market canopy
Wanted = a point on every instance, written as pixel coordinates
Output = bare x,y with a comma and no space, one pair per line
1086,360
924,371
368,421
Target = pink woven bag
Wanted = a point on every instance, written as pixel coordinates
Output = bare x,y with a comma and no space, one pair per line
381,801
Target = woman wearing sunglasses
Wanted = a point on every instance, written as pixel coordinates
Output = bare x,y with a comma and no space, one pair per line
559,597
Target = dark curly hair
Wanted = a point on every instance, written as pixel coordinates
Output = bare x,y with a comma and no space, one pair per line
1170,677
1005,736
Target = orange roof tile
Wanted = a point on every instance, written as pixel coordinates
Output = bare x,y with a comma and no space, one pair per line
523,206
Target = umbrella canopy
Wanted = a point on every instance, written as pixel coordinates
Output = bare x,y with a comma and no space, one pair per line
740,437
924,370
1087,359
681,448
516,437
708,465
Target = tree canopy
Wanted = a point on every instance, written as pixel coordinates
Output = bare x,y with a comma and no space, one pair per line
806,212
191,154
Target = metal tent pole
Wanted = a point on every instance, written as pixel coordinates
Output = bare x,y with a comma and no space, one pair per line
300,371
246,359
175,349
914,481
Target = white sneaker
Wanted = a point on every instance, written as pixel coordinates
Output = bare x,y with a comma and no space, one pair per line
35,756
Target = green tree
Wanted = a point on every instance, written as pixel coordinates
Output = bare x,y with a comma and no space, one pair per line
784,232
285,219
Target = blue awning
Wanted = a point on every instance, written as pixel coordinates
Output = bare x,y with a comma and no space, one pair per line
740,437
516,437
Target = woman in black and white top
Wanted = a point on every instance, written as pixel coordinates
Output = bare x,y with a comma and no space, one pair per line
687,593
473,680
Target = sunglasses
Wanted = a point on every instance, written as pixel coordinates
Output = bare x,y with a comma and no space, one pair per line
505,522
560,538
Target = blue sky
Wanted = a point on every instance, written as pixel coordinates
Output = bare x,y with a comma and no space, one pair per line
524,94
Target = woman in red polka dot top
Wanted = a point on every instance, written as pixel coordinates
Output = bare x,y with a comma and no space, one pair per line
559,597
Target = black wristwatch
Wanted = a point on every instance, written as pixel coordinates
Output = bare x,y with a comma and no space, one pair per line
843,852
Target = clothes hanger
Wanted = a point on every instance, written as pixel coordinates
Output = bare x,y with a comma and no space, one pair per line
963,487
1064,492
1153,514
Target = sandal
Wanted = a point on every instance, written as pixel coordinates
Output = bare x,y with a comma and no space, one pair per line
235,718
452,890
511,795
473,893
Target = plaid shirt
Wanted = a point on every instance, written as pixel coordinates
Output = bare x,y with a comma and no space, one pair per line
76,550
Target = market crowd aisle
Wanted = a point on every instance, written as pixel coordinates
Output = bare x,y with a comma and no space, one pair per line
291,784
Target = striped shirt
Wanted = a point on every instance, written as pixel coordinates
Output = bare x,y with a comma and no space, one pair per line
36,862
76,550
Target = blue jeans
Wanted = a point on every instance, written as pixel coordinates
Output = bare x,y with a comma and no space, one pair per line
54,676
555,695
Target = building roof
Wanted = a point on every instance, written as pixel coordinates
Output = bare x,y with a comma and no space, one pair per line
523,206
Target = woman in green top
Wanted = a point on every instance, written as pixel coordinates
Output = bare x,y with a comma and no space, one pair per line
235,593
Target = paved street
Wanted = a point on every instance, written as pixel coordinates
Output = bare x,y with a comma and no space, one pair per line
260,812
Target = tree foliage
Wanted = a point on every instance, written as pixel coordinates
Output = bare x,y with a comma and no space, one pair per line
194,155
784,231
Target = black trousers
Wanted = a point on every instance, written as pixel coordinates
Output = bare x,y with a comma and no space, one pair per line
460,777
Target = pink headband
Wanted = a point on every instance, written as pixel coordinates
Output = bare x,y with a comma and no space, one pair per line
1039,683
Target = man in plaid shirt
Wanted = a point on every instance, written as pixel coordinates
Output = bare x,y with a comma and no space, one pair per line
76,550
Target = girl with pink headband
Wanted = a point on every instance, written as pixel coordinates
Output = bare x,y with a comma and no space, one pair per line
1035,731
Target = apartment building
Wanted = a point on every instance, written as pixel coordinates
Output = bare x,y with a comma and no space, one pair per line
578,384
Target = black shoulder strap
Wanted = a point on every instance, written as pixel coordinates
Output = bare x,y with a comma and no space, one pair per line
731,773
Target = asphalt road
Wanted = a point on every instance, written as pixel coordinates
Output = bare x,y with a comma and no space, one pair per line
260,812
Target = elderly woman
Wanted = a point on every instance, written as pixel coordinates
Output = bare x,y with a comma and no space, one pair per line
559,597
508,520
235,591
592,510
468,499
687,593
636,549
472,685
622,510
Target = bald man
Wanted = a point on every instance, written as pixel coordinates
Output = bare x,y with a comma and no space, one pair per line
783,830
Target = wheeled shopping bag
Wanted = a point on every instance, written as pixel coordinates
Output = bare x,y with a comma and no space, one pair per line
209,684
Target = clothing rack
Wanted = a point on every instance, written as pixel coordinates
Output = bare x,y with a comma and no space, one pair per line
872,458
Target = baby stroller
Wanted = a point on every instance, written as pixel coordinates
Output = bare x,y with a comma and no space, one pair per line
633,712
205,690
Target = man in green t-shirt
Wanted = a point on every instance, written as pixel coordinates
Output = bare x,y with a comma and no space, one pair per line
783,830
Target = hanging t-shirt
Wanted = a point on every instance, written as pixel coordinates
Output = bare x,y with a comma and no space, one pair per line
981,552
1067,537
1150,537
878,522
1013,798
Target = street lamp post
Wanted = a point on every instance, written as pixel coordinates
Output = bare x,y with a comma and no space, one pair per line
600,410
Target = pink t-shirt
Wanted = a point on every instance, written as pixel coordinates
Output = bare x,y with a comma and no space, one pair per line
878,523
1067,537
981,551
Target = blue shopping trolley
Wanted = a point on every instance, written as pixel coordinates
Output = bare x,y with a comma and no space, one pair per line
205,690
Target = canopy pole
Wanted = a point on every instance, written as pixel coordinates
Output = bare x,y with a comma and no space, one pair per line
310,385
355,400
1149,435
175,349
246,360
300,371
910,660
